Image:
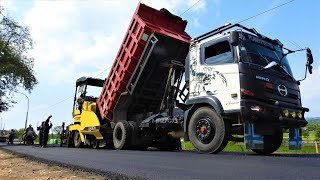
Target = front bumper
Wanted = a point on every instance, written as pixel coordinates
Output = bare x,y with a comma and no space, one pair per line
272,113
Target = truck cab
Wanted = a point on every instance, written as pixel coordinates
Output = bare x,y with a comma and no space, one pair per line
245,79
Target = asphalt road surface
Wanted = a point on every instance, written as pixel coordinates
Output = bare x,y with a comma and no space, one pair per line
181,165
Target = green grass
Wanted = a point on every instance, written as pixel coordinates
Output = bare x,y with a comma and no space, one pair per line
240,147
312,136
306,149
187,145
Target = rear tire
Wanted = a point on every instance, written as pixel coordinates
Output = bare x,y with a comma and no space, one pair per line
121,135
136,142
271,143
208,132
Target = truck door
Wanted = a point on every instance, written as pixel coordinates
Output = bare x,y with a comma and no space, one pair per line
214,71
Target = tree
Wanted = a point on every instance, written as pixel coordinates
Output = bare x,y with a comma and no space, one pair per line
19,133
306,133
312,127
16,66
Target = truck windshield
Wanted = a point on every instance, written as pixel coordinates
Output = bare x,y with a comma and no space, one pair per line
255,53
93,91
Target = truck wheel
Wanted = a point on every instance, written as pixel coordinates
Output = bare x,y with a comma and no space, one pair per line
271,143
76,139
208,132
135,141
121,135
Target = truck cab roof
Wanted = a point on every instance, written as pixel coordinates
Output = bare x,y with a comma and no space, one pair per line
89,81
225,31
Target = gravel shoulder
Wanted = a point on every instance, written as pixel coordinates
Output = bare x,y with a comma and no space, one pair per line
13,166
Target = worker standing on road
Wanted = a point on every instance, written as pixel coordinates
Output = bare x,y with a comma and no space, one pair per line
46,129
40,129
12,135
30,128
29,134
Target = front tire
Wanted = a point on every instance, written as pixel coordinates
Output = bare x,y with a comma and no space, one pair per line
208,132
271,143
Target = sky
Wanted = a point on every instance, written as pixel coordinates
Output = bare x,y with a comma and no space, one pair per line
81,38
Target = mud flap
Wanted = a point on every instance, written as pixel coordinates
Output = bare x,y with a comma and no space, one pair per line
252,140
295,140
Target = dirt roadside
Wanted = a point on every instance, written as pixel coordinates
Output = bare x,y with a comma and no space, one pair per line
15,167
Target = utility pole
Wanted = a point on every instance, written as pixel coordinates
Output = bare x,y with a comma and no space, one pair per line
26,122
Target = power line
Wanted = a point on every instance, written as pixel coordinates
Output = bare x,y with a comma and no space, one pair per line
49,107
265,11
190,7
103,71
296,44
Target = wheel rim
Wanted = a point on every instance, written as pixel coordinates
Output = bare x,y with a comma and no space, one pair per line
205,130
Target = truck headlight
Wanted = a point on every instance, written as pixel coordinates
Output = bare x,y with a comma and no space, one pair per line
92,128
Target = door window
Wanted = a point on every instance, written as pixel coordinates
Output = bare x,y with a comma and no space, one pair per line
219,53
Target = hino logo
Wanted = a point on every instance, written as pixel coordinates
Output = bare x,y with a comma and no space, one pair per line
262,78
282,90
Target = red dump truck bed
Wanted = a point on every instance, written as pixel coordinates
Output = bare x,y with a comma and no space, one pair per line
146,21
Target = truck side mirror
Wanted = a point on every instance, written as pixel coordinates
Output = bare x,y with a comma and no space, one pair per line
309,57
234,38
309,60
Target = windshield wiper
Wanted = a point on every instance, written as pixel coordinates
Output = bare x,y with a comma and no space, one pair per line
282,67
273,63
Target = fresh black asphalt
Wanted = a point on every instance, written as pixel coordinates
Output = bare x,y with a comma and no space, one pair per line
127,164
